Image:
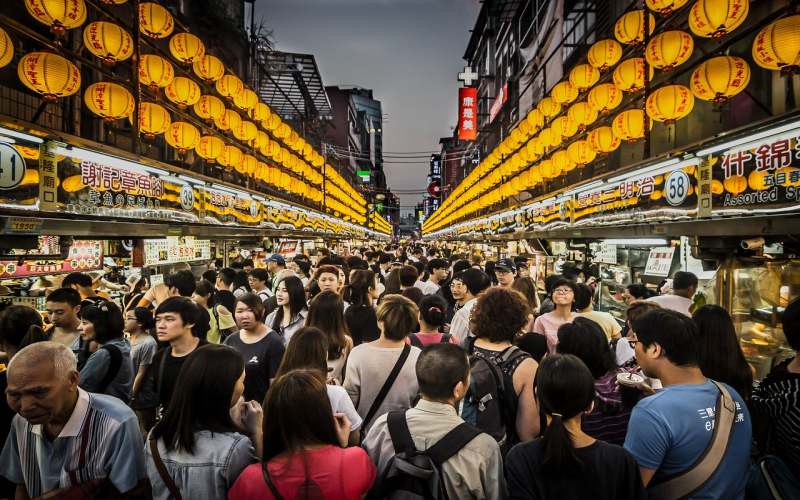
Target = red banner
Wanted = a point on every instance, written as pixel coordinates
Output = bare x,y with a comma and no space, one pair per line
84,256
467,113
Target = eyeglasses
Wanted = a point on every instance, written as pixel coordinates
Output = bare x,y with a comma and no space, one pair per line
563,291
633,343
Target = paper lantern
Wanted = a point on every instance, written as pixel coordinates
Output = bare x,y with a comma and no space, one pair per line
716,187
182,136
209,108
6,48
629,75
208,68
247,165
564,93
229,86
716,18
153,119
582,114
209,148
604,54
629,125
757,180
720,78
155,71
581,153
245,131
777,45
665,7
584,76
629,28
155,21
245,100
49,75
548,107
274,121
261,140
230,157
183,91
260,112
603,140
108,41
563,127
60,15
109,101
186,47
670,103
604,97
229,120
669,49
548,170
735,184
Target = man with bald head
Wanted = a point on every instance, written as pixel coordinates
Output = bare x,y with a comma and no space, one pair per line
63,436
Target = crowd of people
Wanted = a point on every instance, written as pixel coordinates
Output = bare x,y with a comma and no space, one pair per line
389,373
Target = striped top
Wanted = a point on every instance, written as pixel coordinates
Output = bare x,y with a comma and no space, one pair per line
114,448
778,396
609,418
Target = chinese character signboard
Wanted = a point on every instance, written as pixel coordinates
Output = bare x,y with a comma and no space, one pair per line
467,113
84,255
659,261
173,249
499,100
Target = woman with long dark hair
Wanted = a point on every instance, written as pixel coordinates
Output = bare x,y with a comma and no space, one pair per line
360,317
566,463
139,325
305,453
108,370
208,435
326,312
720,356
291,312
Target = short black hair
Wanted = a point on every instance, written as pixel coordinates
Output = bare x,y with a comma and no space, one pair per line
408,275
182,280
80,279
585,339
562,281
460,265
638,291
64,296
583,296
227,275
683,280
186,308
475,280
210,275
791,324
437,264
384,258
247,263
439,368
675,332
303,265
205,289
260,274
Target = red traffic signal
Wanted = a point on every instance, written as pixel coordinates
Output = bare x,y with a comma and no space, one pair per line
434,189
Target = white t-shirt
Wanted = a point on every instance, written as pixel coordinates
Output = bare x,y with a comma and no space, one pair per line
427,287
341,403
673,302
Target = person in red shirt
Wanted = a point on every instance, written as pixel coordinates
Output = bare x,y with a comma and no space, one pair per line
305,447
432,316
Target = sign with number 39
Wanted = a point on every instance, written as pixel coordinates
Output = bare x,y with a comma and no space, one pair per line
12,167
676,188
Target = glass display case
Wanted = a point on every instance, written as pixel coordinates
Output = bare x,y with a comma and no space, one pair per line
613,280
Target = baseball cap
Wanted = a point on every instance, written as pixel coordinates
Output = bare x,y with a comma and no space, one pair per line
505,265
277,258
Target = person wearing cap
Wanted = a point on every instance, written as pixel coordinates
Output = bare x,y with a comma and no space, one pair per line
275,264
504,271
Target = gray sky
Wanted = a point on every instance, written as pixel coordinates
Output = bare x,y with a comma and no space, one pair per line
407,51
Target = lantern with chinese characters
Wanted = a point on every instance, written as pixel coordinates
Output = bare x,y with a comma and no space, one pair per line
246,131
260,141
603,140
209,108
735,184
153,120
630,125
230,157
208,68
669,49
604,54
581,153
665,7
229,86
584,76
548,107
245,100
720,78
209,147
604,97
629,75
273,122
283,131
183,91
563,161
260,112
186,47
564,127
109,100
582,114
108,41
60,15
155,21
182,136
155,72
629,28
716,18
670,103
777,46
564,93
6,48
49,74
229,120
247,165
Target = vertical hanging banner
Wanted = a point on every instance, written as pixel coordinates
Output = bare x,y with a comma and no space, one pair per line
467,113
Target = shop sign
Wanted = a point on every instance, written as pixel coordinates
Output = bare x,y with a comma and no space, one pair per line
48,178
499,101
704,186
467,113
288,247
232,209
173,250
84,256
22,225
659,261
12,167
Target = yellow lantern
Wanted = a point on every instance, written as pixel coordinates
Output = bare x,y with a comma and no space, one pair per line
757,180
534,120
669,49
246,131
229,120
49,74
777,46
209,108
155,71
563,127
247,165
584,76
274,121
229,86
716,18
603,140
629,28
717,187
564,93
60,15
283,131
153,119
109,100
582,114
604,97
186,47
182,136
208,68
670,103
548,107
183,91
230,157
155,21
6,48
629,75
665,7
720,78
209,148
735,184
581,153
547,170
108,41
630,125
562,161
260,112
604,54
245,100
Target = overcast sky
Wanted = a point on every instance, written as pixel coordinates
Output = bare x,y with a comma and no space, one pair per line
408,52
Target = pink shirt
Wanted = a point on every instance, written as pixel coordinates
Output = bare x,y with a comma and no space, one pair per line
547,324
430,338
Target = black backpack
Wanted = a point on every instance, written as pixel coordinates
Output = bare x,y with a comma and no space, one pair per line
416,342
412,474
491,403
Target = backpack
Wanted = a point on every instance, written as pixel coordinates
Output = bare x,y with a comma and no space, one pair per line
114,365
491,403
413,474
223,334
416,342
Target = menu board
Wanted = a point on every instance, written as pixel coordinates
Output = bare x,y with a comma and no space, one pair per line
84,256
659,261
174,249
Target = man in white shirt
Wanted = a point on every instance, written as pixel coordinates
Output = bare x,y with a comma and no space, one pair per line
466,286
684,286
438,269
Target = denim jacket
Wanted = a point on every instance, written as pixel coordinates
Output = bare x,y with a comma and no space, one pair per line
209,472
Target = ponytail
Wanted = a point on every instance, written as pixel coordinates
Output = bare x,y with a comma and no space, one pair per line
559,451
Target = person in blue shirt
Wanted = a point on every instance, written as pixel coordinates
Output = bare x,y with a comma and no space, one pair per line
669,431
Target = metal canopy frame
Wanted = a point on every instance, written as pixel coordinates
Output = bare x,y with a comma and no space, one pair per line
292,85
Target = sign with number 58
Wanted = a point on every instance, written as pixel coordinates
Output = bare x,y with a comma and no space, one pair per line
676,188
